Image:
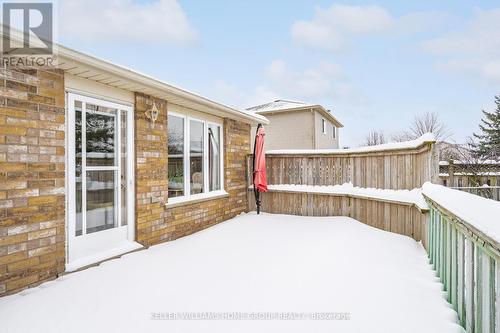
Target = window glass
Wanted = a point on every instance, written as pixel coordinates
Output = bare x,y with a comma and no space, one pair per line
100,135
175,156
196,142
214,155
100,200
323,126
334,130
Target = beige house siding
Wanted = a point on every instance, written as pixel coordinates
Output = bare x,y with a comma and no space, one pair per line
298,130
324,141
289,130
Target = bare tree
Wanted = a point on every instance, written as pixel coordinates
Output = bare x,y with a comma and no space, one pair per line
424,123
375,138
464,163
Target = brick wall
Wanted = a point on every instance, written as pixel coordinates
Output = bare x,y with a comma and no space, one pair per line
32,200
151,178
32,175
156,224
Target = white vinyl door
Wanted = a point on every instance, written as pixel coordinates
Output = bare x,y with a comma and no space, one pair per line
100,180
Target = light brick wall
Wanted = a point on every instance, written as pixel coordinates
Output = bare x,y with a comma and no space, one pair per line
155,223
32,175
151,178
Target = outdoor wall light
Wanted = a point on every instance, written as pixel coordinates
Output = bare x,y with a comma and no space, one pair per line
153,113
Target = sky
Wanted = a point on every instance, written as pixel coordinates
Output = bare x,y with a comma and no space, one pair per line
375,64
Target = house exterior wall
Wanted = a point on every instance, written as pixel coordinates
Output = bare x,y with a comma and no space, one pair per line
189,218
289,130
298,130
32,177
324,141
151,176
155,222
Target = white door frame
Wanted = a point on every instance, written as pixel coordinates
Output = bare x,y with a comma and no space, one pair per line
89,245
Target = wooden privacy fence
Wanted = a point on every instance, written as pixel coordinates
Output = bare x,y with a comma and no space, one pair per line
396,168
468,263
399,217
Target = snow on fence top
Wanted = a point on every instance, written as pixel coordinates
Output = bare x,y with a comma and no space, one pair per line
424,139
413,197
481,213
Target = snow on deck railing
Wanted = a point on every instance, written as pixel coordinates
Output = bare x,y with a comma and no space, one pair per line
413,197
464,234
423,140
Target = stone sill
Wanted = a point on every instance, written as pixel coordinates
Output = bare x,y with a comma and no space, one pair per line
196,199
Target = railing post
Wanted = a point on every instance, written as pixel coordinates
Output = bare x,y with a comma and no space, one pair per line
430,235
461,278
488,294
448,260
439,245
479,289
469,285
454,265
497,295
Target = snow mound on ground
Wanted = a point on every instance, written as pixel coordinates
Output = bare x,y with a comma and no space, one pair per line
250,264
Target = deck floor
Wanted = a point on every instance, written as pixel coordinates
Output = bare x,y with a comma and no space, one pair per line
272,267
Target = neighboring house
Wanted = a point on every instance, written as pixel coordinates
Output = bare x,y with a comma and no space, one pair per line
298,125
97,160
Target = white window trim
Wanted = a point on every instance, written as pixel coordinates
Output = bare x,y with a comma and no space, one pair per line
334,129
187,165
323,125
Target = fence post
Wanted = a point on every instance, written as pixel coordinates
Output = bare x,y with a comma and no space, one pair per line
469,285
479,289
454,264
497,294
460,280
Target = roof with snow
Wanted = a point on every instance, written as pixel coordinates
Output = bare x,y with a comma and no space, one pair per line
280,104
283,105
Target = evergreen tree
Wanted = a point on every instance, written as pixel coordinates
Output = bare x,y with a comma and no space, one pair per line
488,146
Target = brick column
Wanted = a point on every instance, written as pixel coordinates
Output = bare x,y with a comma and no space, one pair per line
151,173
32,175
236,148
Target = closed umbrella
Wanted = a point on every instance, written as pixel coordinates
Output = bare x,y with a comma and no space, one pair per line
259,166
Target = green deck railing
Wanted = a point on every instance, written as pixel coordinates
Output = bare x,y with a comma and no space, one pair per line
468,264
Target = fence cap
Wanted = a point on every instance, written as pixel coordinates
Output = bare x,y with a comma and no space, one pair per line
427,138
481,213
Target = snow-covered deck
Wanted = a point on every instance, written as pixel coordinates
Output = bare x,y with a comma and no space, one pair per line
251,264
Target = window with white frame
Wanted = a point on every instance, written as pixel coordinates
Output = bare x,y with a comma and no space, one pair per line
323,125
334,131
194,157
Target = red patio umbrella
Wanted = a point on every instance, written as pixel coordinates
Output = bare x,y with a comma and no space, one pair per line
259,166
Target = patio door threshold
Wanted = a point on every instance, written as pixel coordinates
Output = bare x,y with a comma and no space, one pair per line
123,247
